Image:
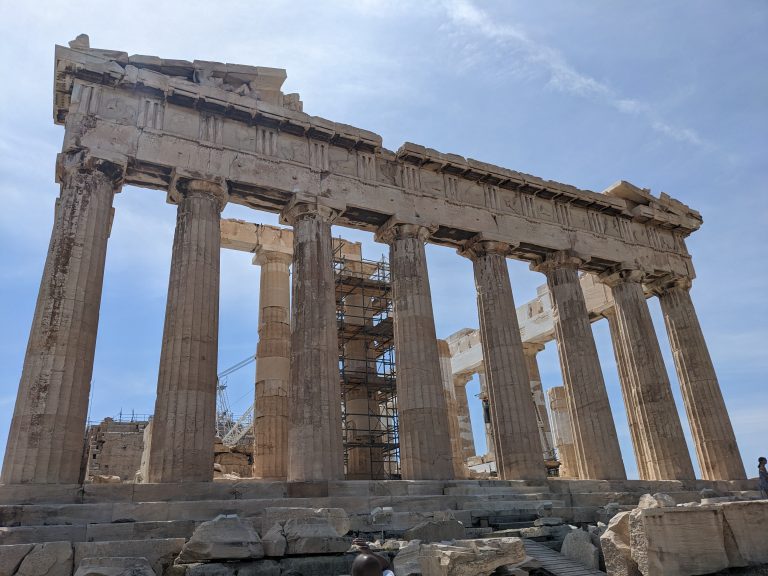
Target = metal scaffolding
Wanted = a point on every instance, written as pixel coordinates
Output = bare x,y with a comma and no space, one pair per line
366,366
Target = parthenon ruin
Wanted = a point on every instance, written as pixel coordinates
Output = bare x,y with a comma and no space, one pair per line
208,134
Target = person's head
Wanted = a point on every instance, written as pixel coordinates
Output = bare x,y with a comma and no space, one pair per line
366,565
762,461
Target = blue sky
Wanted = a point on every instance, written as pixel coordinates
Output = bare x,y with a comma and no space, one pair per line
671,96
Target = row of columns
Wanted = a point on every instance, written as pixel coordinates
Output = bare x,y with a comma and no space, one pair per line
49,418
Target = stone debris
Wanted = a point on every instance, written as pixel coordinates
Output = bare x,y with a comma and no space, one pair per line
48,559
436,531
114,567
101,479
548,521
686,540
658,500
478,557
578,547
223,538
274,541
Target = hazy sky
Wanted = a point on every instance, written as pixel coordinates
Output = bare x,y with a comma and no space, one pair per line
671,96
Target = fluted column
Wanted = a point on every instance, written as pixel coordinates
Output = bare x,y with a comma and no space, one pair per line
462,409
562,430
270,415
531,349
459,467
713,436
658,423
45,442
315,447
425,444
594,432
638,445
513,415
184,422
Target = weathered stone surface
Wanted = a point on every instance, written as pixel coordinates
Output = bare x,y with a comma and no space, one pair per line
478,557
223,538
114,566
747,522
658,500
337,517
548,521
615,546
49,559
274,541
246,568
160,552
100,479
637,541
313,536
578,547
436,531
11,556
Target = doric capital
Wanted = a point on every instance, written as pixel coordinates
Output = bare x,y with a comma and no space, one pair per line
557,260
184,186
462,379
478,247
80,163
306,206
621,275
394,230
532,348
664,285
262,256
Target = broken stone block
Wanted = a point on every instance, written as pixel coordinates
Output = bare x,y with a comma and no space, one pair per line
746,522
48,559
658,500
114,566
338,517
102,479
313,536
548,521
223,538
436,531
578,547
11,556
544,510
462,558
615,546
274,541
247,568
637,542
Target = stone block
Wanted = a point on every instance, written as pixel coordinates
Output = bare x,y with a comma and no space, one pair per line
107,493
548,521
337,517
223,538
462,558
436,531
615,546
112,566
160,552
41,493
36,534
747,522
313,535
683,541
11,557
307,489
317,565
578,547
274,542
48,559
248,568
658,500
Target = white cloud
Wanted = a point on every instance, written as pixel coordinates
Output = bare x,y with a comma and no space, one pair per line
468,19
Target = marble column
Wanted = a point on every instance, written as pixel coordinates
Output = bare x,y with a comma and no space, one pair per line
315,446
531,349
270,415
513,415
594,432
562,430
713,437
459,467
466,437
45,441
184,421
638,446
658,423
425,444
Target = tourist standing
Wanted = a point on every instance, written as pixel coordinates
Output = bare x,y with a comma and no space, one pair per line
763,480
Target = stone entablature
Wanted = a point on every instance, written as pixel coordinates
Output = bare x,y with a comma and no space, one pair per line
167,119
